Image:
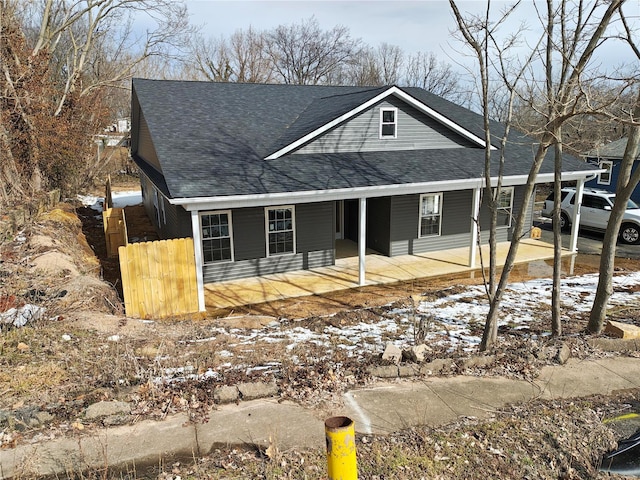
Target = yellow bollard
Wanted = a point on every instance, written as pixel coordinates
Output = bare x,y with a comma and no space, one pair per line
341,448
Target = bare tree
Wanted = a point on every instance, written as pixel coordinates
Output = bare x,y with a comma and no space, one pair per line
239,59
304,54
372,67
564,99
628,179
97,36
424,70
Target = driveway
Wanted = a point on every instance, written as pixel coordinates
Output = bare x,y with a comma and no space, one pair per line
589,242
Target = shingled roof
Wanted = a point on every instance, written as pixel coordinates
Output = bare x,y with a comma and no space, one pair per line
212,139
612,150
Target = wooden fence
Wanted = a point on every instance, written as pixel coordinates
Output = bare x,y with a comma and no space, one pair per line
115,230
159,278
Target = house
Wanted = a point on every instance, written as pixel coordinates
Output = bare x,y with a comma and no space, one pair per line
609,158
270,178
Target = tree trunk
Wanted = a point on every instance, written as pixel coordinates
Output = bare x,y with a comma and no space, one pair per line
625,187
556,320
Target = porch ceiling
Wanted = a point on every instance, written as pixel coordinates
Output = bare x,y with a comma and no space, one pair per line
343,275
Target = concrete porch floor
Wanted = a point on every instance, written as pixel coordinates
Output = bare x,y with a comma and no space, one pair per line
343,275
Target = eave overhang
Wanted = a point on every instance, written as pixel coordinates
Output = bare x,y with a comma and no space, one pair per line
312,196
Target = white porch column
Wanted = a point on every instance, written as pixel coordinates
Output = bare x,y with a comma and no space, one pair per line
575,221
362,241
475,213
197,248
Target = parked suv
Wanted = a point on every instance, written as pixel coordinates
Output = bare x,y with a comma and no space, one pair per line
595,211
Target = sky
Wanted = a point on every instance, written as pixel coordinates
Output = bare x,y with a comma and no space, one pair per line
417,25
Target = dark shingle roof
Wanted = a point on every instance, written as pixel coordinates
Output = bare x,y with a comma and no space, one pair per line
211,140
613,150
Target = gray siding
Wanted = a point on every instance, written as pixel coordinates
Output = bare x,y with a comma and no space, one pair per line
175,221
455,227
415,130
314,244
503,234
379,224
178,221
404,224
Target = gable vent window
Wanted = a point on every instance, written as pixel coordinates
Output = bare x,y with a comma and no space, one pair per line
388,122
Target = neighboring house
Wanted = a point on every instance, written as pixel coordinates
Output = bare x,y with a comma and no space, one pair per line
267,178
609,157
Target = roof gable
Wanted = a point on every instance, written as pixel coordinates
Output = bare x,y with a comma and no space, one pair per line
306,129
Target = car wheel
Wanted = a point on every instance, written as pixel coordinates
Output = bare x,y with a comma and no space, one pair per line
564,222
630,233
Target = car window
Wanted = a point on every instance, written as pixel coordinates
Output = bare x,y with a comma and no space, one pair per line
563,195
592,201
631,205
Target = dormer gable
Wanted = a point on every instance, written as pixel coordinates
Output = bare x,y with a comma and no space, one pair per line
386,99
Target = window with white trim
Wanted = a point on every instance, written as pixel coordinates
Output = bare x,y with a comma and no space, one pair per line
388,122
280,223
217,240
604,178
430,214
504,204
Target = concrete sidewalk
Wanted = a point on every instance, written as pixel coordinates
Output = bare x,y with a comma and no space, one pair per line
382,408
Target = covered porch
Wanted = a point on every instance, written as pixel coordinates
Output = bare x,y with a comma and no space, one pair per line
345,274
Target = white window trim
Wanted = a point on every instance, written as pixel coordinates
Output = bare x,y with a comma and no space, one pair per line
440,194
395,123
505,189
202,239
266,228
605,162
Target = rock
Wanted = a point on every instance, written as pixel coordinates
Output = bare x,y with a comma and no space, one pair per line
384,371
105,409
622,330
226,394
614,344
416,354
251,391
44,417
115,420
392,353
478,361
410,370
436,367
564,354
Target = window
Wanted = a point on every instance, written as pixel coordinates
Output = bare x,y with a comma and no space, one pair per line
430,214
216,236
388,122
280,230
604,178
504,204
592,201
